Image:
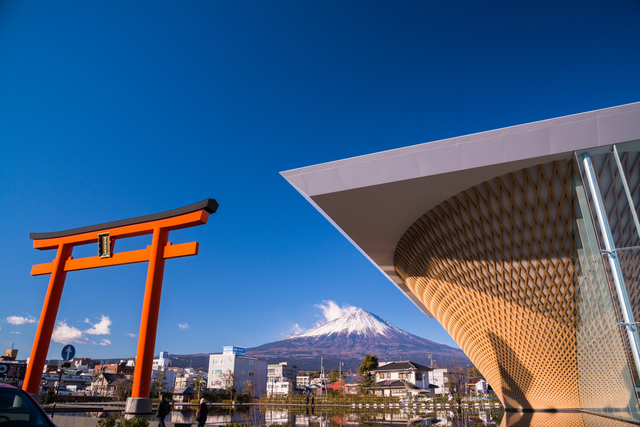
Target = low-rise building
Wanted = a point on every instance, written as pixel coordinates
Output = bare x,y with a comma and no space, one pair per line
182,395
233,369
400,378
449,380
303,381
279,386
111,385
119,368
163,362
281,378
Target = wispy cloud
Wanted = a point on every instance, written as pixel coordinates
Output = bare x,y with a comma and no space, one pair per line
65,334
296,329
131,335
331,310
18,320
17,333
183,325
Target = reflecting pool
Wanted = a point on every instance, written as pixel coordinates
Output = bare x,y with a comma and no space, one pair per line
326,416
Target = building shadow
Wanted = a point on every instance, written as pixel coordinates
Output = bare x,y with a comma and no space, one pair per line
517,382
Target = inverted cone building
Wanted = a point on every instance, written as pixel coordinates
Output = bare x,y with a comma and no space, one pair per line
523,242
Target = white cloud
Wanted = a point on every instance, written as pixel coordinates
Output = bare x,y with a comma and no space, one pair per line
65,334
331,311
17,333
183,325
17,320
296,329
131,335
100,328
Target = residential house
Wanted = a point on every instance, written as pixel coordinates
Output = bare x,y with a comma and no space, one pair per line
110,384
183,395
400,378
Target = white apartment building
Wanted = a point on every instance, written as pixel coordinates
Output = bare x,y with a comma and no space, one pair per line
278,386
163,364
186,377
281,378
303,382
244,370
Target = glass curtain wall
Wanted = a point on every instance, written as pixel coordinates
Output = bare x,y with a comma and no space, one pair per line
607,257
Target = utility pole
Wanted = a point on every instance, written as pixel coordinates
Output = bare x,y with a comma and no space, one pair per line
321,376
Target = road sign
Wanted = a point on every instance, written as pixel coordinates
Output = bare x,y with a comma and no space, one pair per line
68,351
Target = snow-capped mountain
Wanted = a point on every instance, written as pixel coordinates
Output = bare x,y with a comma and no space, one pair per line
349,338
360,322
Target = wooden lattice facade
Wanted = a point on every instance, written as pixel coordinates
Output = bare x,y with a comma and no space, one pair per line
498,265
494,265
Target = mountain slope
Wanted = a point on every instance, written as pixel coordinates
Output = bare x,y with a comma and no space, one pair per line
349,338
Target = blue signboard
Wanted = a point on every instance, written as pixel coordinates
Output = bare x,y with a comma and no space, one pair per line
68,351
231,349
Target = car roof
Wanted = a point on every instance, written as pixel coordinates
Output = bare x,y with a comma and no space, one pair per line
8,386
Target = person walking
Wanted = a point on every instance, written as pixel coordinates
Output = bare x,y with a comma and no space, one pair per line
163,411
450,399
203,411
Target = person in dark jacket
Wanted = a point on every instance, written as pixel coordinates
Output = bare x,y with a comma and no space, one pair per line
203,411
163,411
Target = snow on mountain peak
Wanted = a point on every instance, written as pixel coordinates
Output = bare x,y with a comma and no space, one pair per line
360,322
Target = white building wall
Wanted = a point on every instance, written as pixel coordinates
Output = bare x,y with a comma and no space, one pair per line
244,369
171,378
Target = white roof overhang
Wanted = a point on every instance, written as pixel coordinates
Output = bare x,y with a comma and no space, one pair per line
373,199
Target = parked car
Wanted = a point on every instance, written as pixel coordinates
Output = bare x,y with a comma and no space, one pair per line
18,409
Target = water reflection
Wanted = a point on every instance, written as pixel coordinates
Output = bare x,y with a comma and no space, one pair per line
322,416
340,416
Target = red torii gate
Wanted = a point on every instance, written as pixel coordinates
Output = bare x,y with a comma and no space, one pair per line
105,235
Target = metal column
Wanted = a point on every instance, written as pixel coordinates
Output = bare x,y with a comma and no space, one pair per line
614,263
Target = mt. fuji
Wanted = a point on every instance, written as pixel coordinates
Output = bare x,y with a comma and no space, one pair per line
349,338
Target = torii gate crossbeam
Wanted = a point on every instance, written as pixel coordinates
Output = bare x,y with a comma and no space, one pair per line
161,249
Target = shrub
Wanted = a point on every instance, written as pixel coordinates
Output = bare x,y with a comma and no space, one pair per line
133,422
107,422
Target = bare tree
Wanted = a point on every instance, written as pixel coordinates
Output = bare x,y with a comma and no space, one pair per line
228,379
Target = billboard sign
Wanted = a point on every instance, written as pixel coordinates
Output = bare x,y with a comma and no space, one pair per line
231,349
12,370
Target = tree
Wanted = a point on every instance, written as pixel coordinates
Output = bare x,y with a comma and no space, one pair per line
198,382
159,383
248,388
227,379
475,373
334,375
368,364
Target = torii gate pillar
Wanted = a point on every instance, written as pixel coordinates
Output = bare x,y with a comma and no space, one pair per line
105,235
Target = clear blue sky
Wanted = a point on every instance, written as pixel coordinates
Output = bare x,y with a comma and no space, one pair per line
110,110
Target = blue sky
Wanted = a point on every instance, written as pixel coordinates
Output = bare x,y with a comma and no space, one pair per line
118,109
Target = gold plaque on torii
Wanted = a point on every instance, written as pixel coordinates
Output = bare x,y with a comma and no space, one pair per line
104,245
